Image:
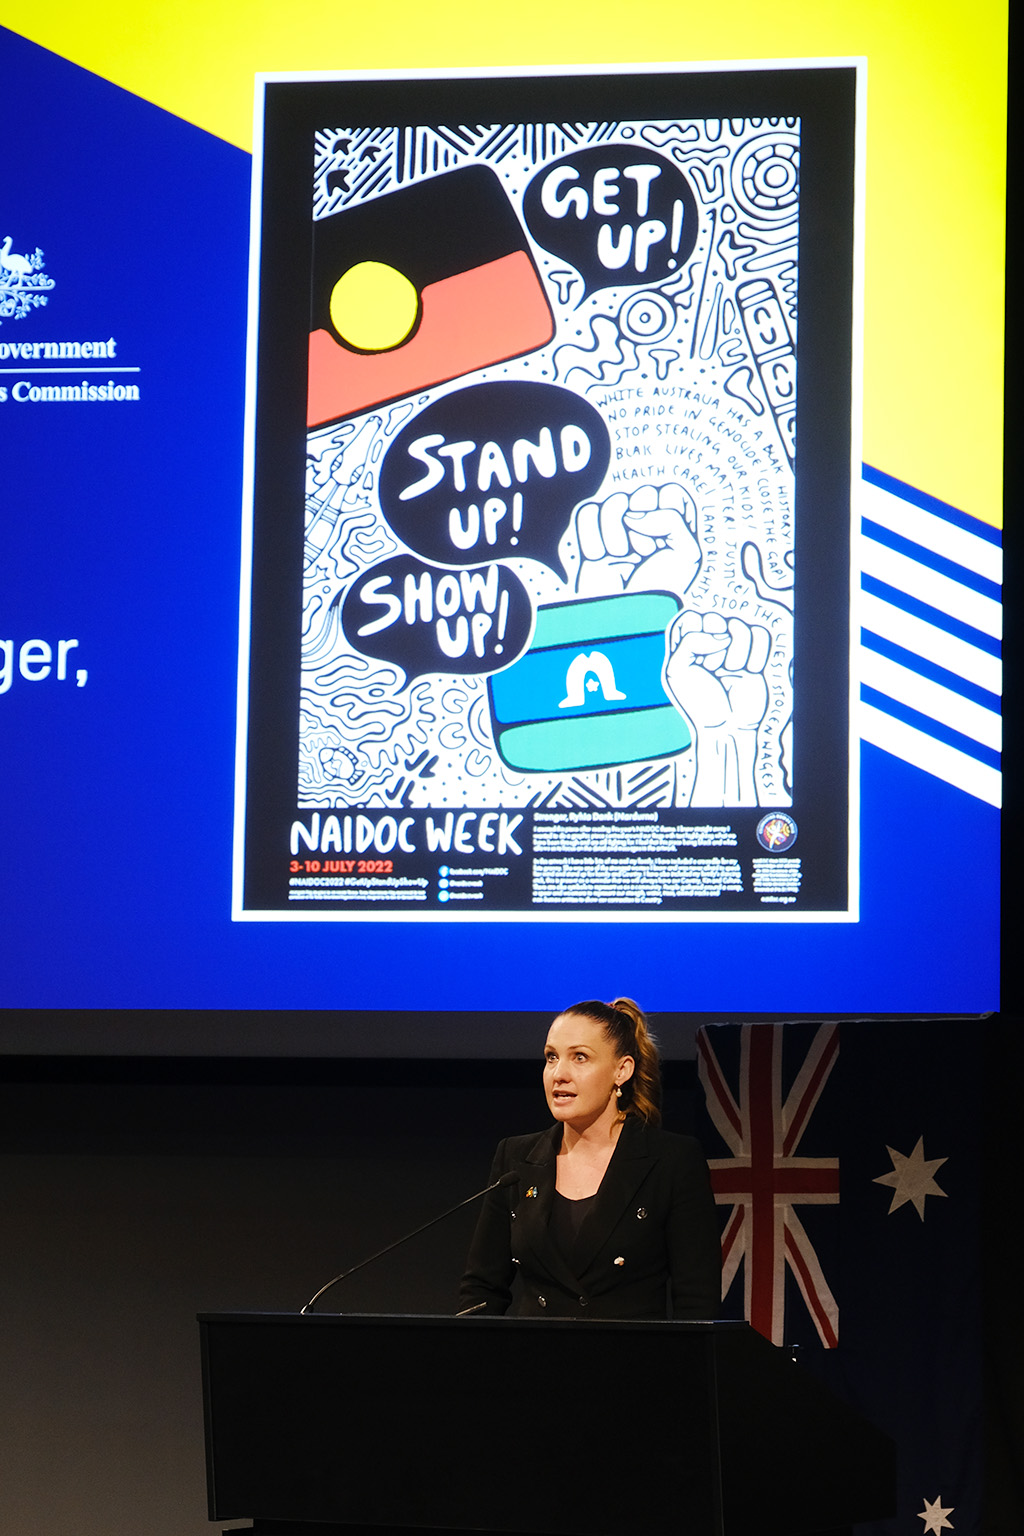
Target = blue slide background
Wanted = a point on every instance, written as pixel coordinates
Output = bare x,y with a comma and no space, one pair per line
121,528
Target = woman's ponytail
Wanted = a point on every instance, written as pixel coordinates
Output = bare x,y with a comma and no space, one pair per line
645,1098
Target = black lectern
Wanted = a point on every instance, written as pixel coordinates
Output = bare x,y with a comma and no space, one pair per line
515,1425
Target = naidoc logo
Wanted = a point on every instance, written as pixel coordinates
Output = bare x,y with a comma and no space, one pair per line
23,283
776,832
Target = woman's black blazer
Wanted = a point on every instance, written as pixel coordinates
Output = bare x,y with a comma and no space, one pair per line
652,1233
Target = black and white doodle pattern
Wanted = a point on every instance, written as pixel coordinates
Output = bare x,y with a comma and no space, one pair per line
695,378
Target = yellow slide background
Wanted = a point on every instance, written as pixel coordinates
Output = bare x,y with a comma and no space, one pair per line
936,150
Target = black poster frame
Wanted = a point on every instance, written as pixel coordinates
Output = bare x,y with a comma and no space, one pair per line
824,98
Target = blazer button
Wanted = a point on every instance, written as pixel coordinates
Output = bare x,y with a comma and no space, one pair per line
584,1302
541,1301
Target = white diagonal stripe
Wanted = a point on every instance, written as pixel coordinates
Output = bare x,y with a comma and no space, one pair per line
731,1262
935,757
929,587
931,698
819,1046
805,1248
717,1109
932,532
934,644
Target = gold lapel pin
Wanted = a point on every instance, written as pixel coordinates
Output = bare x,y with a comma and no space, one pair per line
531,1193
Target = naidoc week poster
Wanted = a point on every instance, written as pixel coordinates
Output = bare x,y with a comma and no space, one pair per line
551,425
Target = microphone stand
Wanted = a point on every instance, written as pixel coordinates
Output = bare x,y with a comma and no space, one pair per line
502,1183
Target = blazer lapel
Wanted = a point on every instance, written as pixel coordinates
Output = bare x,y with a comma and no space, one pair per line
533,1211
631,1162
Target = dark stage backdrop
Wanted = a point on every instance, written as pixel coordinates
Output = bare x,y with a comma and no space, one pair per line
134,1194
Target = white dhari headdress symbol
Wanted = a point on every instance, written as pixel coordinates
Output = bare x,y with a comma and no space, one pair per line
603,677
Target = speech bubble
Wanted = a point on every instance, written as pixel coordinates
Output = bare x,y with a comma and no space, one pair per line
493,471
425,620
619,214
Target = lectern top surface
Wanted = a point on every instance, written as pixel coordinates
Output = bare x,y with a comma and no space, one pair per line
430,1319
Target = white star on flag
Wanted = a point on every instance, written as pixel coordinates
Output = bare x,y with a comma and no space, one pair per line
934,1517
912,1178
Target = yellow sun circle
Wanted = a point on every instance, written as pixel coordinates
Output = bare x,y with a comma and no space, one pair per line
373,307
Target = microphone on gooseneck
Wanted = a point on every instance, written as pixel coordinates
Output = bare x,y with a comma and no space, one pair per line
506,1180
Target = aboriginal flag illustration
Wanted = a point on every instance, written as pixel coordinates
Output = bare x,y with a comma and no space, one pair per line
418,287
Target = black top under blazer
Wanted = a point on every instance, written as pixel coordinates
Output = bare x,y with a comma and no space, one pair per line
652,1231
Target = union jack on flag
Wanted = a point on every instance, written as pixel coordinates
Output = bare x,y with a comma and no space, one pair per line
764,1180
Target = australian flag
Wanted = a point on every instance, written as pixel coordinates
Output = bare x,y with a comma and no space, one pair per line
846,1163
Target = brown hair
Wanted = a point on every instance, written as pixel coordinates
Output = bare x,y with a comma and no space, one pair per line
625,1028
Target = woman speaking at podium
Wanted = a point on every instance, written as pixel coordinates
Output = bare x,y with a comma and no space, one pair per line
611,1216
